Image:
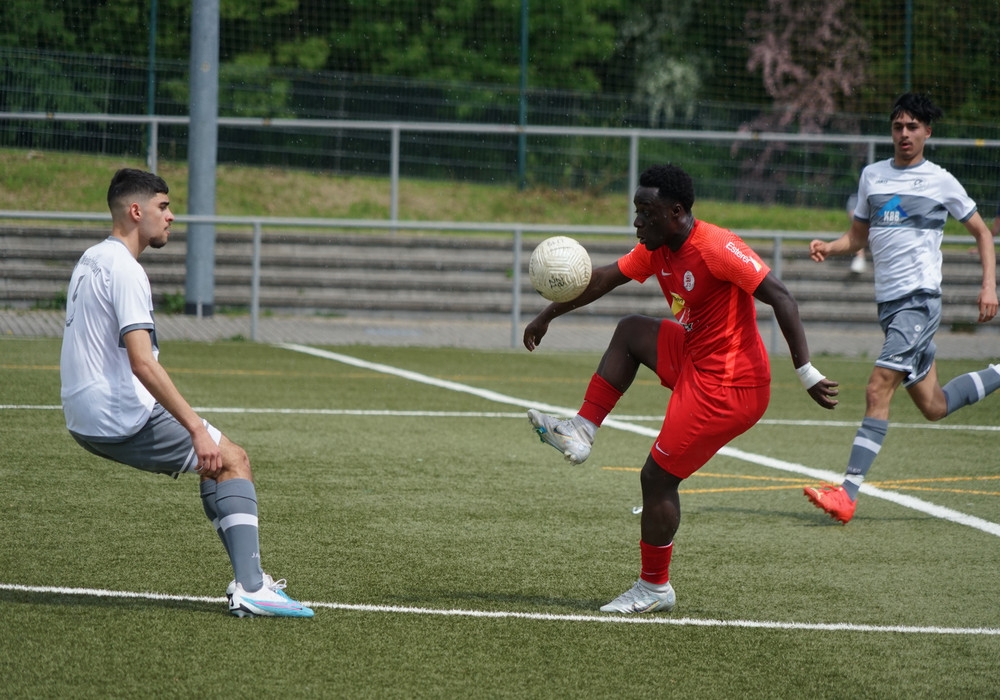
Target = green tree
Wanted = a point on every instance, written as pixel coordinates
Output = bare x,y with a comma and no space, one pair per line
952,56
476,41
36,24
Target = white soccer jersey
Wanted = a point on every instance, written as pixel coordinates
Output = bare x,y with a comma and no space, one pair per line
108,295
906,209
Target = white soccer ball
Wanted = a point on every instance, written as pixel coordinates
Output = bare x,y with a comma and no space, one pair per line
559,268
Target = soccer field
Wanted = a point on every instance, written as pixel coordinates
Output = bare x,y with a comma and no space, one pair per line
448,553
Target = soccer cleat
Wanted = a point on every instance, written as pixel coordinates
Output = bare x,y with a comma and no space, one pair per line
270,601
564,435
858,264
643,597
833,499
277,586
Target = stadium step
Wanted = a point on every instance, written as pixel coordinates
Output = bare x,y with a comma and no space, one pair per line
331,273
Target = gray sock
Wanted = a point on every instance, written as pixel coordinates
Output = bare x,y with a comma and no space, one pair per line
967,389
867,443
236,505
208,490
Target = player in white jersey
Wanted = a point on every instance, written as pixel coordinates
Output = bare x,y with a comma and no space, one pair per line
121,404
903,203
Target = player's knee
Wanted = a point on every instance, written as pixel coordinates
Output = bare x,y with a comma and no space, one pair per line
236,461
634,329
935,412
629,324
654,479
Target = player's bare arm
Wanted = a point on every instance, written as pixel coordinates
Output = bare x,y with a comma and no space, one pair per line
987,298
850,243
773,292
602,280
156,380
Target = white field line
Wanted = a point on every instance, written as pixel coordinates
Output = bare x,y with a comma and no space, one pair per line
623,423
781,465
543,617
519,415
626,423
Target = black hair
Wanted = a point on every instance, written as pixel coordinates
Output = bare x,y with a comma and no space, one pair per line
128,182
917,106
671,182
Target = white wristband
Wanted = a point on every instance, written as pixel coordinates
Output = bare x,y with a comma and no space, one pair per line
809,375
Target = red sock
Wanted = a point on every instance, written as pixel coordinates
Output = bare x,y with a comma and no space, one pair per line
599,400
655,562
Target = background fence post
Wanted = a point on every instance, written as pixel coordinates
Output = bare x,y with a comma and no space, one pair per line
515,299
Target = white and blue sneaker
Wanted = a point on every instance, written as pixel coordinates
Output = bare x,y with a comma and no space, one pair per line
270,601
278,585
644,597
570,436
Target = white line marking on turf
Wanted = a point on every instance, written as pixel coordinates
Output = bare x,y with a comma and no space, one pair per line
927,507
508,414
104,593
544,617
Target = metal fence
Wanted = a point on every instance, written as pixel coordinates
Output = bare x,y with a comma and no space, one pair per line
517,231
820,170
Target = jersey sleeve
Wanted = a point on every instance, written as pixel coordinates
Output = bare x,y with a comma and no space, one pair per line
132,298
957,201
730,258
637,264
862,211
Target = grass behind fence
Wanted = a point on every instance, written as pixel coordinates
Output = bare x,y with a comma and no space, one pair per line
363,505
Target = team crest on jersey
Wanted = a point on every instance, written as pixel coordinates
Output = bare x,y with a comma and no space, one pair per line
688,280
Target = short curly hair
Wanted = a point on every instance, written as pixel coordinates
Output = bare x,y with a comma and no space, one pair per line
917,106
671,182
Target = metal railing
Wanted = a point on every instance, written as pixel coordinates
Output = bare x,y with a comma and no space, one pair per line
258,224
396,128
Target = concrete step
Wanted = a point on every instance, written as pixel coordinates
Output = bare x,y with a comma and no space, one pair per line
325,272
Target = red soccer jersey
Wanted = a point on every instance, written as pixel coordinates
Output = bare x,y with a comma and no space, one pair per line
709,283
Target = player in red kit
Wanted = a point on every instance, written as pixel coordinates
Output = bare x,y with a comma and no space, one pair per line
711,356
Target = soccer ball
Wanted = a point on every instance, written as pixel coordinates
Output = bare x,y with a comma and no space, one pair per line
559,268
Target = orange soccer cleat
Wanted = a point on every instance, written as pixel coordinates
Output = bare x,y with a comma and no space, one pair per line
833,499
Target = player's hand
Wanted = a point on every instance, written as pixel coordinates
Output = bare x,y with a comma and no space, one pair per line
987,306
209,454
534,332
823,391
818,250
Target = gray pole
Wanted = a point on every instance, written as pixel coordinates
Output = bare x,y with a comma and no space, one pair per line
151,89
522,138
199,289
908,46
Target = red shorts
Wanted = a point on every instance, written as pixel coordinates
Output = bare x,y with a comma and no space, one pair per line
702,416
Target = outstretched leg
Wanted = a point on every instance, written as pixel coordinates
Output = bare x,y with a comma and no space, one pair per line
633,343
840,502
936,402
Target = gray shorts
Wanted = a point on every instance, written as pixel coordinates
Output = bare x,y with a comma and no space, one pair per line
162,445
909,325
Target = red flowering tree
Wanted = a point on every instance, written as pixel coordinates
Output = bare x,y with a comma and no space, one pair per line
810,55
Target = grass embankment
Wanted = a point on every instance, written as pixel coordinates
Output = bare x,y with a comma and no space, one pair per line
54,181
